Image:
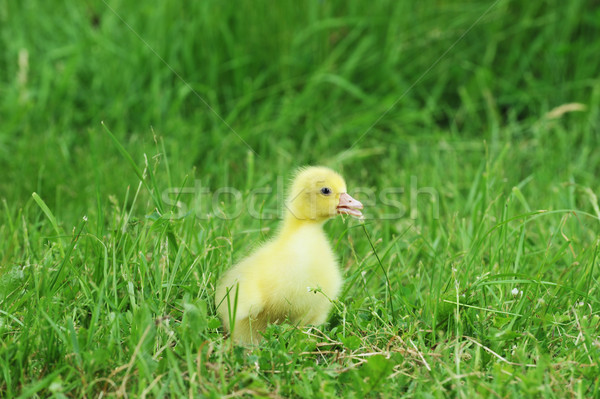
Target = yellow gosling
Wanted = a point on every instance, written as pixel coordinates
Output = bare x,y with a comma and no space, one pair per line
277,282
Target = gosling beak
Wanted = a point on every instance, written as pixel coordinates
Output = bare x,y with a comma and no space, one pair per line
349,206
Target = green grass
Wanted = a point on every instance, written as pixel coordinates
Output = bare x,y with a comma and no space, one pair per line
489,288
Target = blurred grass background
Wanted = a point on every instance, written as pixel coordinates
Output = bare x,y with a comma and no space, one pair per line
462,96
291,80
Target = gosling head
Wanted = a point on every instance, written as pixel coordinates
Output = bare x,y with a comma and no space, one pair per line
318,193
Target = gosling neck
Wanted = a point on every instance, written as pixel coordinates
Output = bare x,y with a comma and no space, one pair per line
291,223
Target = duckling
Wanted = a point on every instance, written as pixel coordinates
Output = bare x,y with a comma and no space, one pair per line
294,276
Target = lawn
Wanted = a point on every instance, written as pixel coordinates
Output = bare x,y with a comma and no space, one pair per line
145,147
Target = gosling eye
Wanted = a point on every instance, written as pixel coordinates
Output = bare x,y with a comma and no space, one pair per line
325,191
